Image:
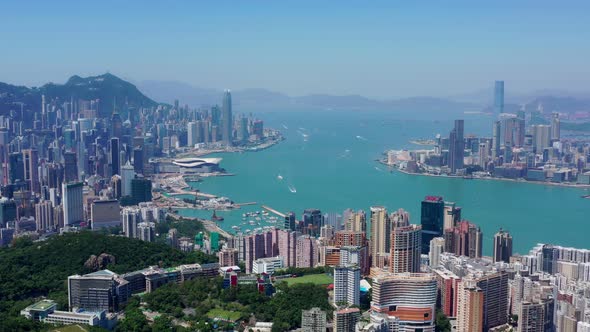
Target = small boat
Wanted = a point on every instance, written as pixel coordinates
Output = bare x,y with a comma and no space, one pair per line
237,228
280,177
215,217
585,196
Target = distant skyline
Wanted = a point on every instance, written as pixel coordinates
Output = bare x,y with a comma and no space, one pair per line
377,49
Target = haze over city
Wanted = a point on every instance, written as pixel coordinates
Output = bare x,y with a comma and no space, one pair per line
379,49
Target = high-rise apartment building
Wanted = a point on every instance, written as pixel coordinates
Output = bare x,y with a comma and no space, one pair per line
406,247
555,127
502,246
307,251
495,296
347,285
380,234
465,239
345,319
313,320
312,222
470,300
31,175
437,246
356,221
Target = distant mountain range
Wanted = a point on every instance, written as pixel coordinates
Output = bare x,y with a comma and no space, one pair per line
108,88
112,90
168,91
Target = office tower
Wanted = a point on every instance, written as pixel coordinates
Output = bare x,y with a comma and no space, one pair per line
312,222
127,175
432,220
498,98
146,231
495,298
116,125
555,127
355,221
307,251
549,258
227,121
313,320
290,221
70,167
206,132
105,213
452,215
72,202
130,217
496,140
437,246
141,190
535,316
15,167
44,216
345,319
380,234
31,175
406,246
502,246
114,154
98,291
347,285
410,297
541,137
243,130
258,128
192,134
470,301
138,160
456,147
483,155
465,239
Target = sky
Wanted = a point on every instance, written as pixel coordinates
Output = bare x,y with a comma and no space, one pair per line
380,49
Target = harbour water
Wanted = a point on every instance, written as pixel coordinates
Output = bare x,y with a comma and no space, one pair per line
328,162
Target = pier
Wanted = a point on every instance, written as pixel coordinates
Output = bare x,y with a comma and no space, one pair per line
269,209
244,204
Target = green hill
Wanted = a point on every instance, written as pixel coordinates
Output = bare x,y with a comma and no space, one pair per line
30,270
107,88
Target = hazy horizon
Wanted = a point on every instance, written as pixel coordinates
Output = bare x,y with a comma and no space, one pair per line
378,50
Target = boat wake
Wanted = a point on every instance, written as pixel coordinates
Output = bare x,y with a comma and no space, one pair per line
292,189
284,126
361,138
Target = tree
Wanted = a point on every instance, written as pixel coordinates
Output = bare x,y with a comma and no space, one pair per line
134,321
442,322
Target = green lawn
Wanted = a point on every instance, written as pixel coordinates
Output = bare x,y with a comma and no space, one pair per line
224,314
318,279
70,328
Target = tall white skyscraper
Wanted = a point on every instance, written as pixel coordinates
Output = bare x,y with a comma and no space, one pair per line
191,131
347,285
130,218
73,202
437,246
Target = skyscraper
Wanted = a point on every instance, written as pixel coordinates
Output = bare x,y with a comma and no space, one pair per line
456,147
432,220
227,121
498,98
437,246
30,162
115,163
313,220
541,137
355,221
380,234
406,247
347,285
496,139
555,126
70,166
502,246
73,202
495,298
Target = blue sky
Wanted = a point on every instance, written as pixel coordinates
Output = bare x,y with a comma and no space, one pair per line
372,48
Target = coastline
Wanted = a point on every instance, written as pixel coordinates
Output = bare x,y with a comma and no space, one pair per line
490,178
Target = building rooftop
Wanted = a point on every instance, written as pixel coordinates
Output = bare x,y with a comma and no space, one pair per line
42,305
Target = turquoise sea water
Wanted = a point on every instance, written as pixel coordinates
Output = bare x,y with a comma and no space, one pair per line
334,169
